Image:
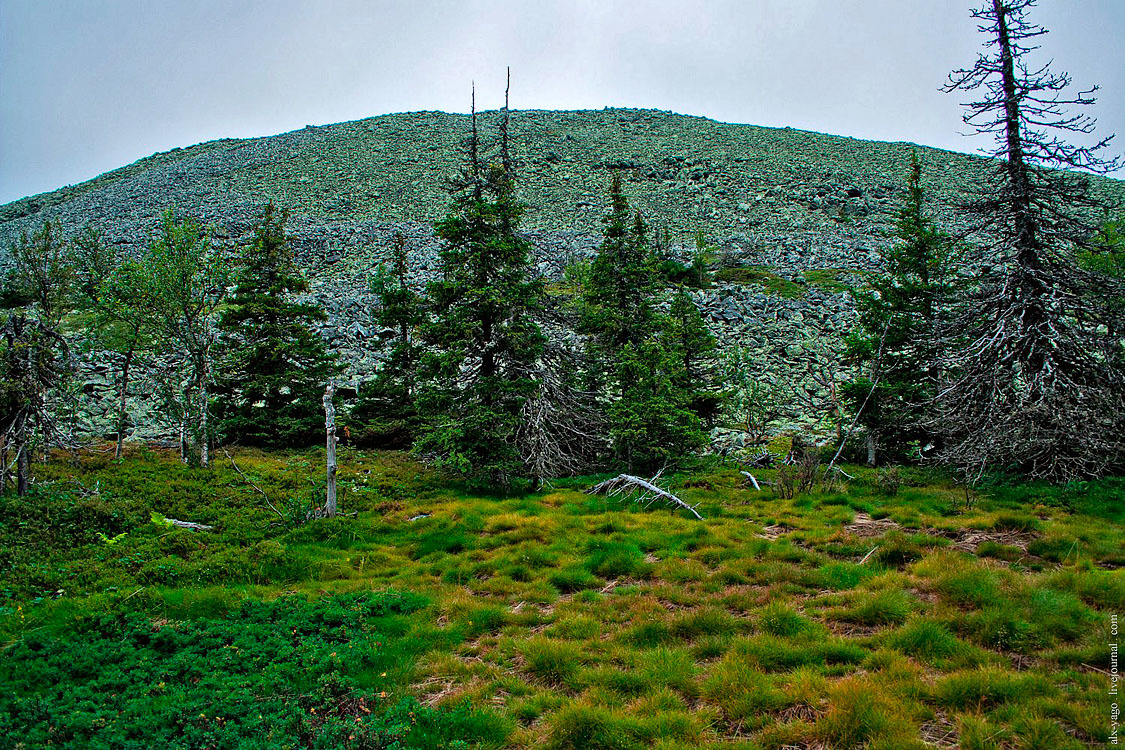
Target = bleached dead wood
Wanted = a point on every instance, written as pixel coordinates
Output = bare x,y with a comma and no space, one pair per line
192,525
330,440
753,481
625,483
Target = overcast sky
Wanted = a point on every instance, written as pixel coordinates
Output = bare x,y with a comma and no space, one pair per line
90,85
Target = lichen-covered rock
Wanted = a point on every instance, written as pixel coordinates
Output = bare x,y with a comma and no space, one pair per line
788,200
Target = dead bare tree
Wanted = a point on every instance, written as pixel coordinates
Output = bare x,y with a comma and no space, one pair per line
33,362
1033,382
561,430
817,391
330,442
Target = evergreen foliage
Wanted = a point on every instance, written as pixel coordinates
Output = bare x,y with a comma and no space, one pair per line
694,348
896,346
652,423
647,366
617,294
482,336
269,674
385,415
272,369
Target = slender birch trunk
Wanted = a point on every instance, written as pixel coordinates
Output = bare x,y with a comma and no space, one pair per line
330,444
121,404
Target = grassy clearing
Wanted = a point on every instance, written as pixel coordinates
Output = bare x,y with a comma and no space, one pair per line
764,277
845,619
829,279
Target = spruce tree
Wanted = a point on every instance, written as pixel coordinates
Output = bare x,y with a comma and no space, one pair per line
385,415
652,423
639,359
272,366
1034,381
616,303
896,345
694,347
482,336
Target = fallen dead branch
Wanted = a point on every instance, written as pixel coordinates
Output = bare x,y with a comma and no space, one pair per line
753,481
255,487
191,525
646,492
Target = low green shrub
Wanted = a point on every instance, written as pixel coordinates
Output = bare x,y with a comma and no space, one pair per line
286,672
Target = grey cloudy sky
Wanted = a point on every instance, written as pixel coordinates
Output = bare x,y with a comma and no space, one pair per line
91,85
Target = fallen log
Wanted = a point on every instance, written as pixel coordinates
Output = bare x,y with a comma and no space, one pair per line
192,525
753,481
623,483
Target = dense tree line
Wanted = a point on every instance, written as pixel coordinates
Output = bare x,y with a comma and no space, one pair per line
999,350
468,378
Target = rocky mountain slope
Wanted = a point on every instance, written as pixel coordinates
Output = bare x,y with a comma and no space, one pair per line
797,215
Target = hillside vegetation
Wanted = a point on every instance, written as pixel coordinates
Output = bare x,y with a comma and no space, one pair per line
892,610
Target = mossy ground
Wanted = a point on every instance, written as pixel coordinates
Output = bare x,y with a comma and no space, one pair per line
761,276
842,618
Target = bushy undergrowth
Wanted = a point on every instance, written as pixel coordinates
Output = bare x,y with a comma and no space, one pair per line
553,619
286,673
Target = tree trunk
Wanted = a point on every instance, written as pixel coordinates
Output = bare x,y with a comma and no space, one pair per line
330,445
204,452
870,449
4,463
121,404
23,459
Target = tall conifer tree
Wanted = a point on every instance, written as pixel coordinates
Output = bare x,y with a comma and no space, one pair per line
272,367
482,334
385,414
897,344
639,359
